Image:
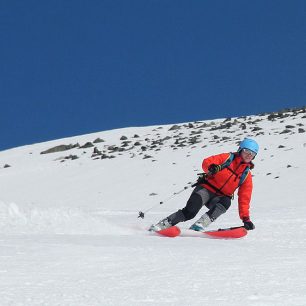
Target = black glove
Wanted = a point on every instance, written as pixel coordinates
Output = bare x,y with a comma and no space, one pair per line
202,177
213,168
248,224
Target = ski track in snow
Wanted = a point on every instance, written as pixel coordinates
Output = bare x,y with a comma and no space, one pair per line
69,232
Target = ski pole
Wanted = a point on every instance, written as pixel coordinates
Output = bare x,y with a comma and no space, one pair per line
202,177
142,214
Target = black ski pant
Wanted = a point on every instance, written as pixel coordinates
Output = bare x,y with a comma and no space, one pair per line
200,196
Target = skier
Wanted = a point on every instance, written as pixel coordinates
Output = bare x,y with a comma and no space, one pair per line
223,174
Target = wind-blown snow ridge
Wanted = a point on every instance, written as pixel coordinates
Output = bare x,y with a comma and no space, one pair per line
72,221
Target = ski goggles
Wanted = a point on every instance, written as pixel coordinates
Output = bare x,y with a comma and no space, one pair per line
249,152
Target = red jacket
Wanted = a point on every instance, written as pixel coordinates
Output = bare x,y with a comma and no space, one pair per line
228,181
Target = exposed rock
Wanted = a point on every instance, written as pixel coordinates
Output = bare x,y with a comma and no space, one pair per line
123,138
272,117
157,142
196,132
147,156
7,166
285,131
166,138
301,130
114,149
243,126
226,138
87,145
193,140
98,140
260,133
174,127
72,157
222,126
180,141
59,148
125,144
96,151
204,125
227,119
104,156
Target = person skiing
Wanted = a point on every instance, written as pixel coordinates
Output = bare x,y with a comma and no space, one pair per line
223,174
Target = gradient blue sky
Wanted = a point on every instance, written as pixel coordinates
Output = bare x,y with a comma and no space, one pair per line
71,67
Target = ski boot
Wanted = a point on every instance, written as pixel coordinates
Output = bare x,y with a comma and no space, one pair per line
201,224
161,225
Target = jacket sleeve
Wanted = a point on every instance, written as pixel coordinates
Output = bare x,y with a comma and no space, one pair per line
215,159
244,197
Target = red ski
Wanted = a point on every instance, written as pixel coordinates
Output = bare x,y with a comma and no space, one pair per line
229,233
222,233
172,231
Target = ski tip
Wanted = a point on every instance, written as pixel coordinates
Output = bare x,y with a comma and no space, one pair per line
172,232
230,233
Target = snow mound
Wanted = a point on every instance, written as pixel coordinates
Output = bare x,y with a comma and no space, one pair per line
15,219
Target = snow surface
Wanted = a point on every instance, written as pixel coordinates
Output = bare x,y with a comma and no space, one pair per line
69,232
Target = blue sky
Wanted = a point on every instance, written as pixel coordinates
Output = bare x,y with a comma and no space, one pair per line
71,67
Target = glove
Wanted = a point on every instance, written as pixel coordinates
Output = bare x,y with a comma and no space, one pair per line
248,224
202,177
213,168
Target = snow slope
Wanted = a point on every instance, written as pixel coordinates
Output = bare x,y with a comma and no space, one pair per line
69,232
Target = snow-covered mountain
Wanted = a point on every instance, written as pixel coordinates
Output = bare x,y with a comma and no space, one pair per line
70,234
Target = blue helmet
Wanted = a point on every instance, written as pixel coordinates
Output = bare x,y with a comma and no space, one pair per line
249,144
